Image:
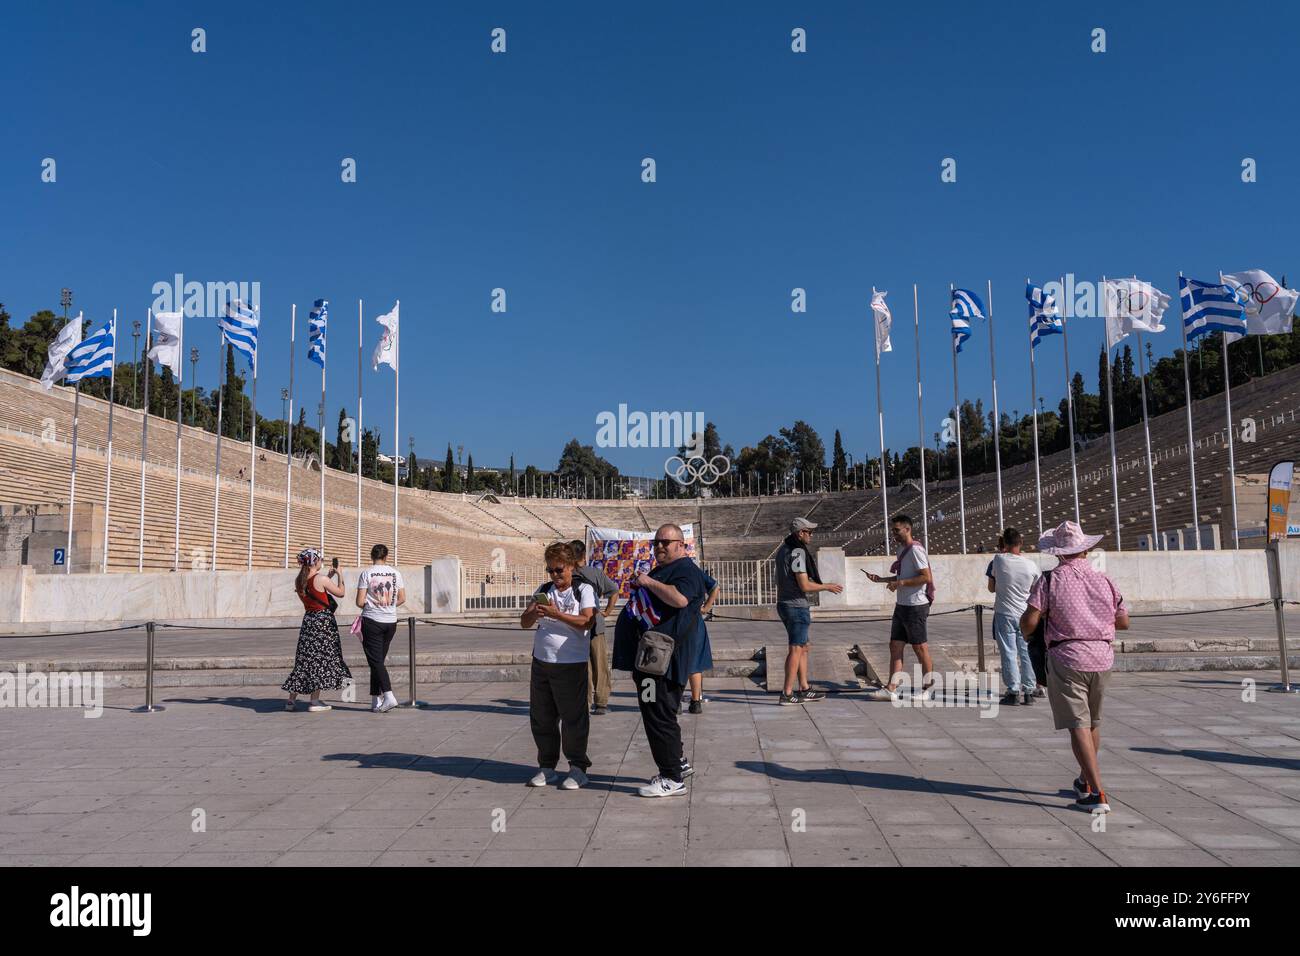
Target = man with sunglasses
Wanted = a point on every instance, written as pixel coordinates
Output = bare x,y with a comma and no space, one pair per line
797,586
675,589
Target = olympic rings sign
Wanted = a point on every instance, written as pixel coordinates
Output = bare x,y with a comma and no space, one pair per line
695,468
1254,297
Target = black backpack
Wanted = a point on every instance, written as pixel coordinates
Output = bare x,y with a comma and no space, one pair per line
1037,641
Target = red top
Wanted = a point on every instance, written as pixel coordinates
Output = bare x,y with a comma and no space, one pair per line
312,599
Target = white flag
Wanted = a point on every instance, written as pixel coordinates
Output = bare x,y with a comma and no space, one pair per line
1131,305
884,321
56,362
386,350
1269,307
166,332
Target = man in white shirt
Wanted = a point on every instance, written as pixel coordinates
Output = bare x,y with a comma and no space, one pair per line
913,582
1010,577
559,684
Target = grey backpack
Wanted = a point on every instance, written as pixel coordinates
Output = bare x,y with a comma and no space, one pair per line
654,652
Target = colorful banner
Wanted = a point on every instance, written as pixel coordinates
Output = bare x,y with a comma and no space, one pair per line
625,554
1279,498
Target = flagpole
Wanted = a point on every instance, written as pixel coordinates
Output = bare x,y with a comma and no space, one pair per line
221,407
397,407
252,455
997,417
1114,465
359,449
1069,406
920,424
1033,397
180,383
321,447
144,429
1191,447
1232,457
1146,429
108,474
880,418
288,432
72,478
956,412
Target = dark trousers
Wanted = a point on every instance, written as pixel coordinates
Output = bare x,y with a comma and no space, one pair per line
659,716
557,710
375,638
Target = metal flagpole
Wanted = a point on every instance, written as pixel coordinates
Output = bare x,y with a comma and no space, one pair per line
956,412
252,455
920,424
1146,429
221,405
880,419
1069,406
144,429
1114,465
1033,397
1232,456
359,376
397,407
180,383
321,456
997,417
1191,447
108,473
288,433
72,478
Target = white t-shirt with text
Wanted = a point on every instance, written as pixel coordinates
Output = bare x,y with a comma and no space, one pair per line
558,643
381,582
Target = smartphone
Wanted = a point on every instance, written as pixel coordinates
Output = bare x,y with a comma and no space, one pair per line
542,598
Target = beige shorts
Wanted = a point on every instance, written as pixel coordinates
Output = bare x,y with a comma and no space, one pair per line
1075,696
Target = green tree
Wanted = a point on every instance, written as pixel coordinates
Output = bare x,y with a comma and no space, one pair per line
342,447
469,475
807,454
449,472
839,462
370,453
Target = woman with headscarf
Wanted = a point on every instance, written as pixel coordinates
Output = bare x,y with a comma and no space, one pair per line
318,663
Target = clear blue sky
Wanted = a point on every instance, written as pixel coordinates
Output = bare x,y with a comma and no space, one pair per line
522,171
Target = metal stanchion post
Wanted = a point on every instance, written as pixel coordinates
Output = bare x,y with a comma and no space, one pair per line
149,706
979,635
414,702
1275,585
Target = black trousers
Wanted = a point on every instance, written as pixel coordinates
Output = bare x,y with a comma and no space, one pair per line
375,638
557,710
659,716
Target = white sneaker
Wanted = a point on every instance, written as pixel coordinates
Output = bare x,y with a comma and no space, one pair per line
574,780
544,778
375,702
661,786
318,706
386,704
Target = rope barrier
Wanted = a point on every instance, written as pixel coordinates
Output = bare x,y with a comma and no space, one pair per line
1217,610
105,630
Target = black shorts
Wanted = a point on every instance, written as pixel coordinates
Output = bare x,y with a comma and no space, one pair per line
908,624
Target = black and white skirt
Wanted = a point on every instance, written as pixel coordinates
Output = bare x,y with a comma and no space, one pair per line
318,663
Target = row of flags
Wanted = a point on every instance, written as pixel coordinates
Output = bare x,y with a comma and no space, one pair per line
70,359
1240,304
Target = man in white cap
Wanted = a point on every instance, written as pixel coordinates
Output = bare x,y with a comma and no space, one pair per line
797,586
1081,609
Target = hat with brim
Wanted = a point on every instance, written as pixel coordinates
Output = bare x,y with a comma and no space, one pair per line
1067,538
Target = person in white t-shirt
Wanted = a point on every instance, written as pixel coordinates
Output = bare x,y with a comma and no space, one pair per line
559,685
1010,577
380,592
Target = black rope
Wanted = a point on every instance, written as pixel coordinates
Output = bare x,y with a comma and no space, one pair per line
846,620
1216,610
106,630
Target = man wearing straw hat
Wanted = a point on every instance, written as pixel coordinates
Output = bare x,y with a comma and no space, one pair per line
1082,609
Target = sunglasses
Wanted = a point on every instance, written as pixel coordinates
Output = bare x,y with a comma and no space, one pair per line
555,570
664,542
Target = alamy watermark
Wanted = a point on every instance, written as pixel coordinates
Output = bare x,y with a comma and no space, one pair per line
54,689
206,300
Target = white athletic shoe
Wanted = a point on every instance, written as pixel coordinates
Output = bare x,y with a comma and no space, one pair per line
386,704
544,777
318,707
661,786
575,780
374,704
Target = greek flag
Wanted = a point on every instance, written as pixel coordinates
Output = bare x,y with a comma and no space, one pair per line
1044,316
966,305
239,328
1210,307
93,358
320,314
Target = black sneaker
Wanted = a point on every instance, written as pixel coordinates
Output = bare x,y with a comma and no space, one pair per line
697,706
1026,698
1093,803
793,697
810,695
1010,698
1080,788
598,710
687,769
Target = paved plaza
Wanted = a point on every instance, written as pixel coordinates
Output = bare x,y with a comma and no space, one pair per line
1196,776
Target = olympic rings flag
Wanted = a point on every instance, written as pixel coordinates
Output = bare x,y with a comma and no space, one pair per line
1269,307
1131,305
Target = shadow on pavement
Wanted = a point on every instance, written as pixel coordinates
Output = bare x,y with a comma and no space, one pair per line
1220,756
885,781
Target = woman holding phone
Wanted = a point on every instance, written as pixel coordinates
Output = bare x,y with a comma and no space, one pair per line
318,662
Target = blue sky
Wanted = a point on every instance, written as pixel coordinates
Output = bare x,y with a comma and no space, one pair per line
522,171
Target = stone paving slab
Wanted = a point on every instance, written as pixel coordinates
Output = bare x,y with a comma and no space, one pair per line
1196,774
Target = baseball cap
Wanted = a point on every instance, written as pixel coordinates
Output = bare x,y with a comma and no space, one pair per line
801,524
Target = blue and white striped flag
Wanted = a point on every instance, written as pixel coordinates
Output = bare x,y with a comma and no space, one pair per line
1210,307
966,305
1044,316
239,328
93,358
316,323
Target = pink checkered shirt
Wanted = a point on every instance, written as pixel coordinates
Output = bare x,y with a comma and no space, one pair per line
1080,611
